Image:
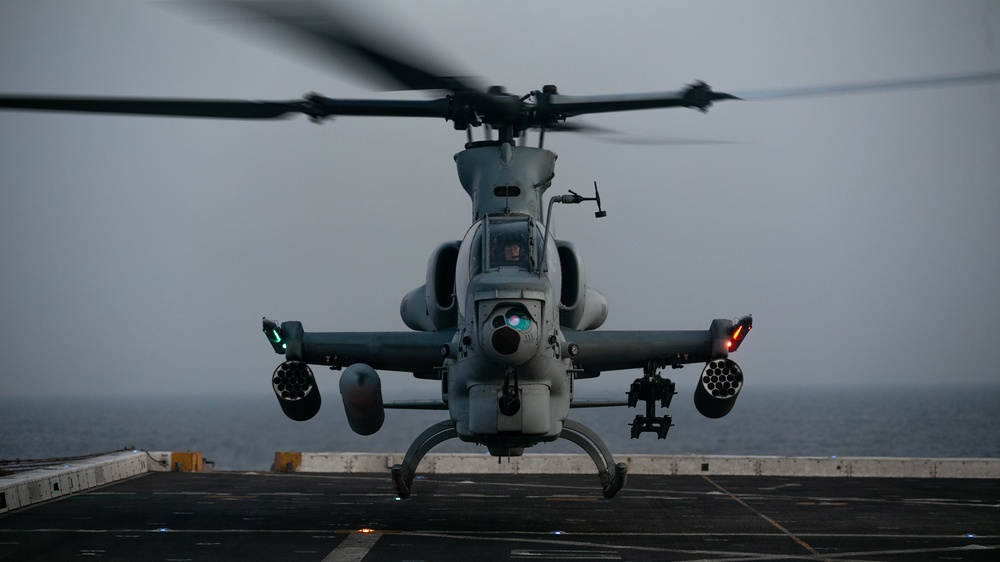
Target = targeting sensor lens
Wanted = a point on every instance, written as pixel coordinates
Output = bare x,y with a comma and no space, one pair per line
518,319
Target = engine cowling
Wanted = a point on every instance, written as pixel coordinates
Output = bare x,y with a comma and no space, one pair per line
720,383
580,307
432,306
361,389
295,387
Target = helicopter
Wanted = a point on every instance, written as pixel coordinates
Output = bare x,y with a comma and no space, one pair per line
505,321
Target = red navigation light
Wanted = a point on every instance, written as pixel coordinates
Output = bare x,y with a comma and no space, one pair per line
739,333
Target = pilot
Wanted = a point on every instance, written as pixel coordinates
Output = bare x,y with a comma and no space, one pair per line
512,252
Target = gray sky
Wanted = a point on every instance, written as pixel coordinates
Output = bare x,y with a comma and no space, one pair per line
137,255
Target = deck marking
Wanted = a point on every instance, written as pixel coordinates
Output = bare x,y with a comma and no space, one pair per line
530,554
774,523
939,550
563,543
353,548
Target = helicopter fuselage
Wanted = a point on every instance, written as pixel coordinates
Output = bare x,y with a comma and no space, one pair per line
507,375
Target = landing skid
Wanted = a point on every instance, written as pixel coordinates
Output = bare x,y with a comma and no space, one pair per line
612,475
402,474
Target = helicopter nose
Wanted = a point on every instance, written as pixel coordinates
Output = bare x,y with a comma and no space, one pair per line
510,335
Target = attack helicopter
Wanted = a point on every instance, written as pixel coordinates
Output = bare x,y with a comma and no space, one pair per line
505,321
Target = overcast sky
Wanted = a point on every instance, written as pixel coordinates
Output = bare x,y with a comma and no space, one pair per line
137,255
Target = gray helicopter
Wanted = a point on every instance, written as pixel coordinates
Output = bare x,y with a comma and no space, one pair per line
505,320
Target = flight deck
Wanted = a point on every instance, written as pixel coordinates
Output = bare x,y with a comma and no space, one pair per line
355,516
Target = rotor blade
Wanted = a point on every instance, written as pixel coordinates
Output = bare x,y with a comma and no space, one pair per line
313,105
862,87
328,32
649,140
698,96
579,105
320,106
231,109
605,134
578,127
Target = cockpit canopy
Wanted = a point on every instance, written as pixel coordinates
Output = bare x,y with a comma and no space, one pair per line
508,243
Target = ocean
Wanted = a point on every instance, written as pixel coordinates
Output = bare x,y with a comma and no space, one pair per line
243,431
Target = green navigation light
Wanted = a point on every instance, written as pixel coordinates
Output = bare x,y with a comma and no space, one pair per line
275,336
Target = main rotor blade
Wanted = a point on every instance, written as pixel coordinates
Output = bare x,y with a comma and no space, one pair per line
579,105
230,109
328,29
698,96
578,127
605,134
313,105
650,140
878,86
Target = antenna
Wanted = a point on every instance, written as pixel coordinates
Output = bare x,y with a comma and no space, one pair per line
597,197
573,199
577,198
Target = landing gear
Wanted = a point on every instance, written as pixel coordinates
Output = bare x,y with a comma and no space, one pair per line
650,389
402,474
612,475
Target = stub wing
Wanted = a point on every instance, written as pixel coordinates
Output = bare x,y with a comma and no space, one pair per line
611,350
414,352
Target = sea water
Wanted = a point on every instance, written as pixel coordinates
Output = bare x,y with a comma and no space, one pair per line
243,431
